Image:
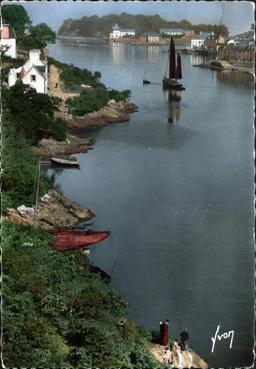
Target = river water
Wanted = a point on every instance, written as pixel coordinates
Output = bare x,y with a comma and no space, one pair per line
177,197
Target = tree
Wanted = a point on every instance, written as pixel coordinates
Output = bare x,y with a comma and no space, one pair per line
38,37
17,17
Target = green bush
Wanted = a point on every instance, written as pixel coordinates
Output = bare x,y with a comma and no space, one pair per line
58,314
88,101
58,129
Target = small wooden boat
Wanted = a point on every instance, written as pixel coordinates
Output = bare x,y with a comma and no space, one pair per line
146,82
68,239
66,161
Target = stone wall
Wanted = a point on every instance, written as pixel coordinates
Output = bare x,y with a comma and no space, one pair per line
236,53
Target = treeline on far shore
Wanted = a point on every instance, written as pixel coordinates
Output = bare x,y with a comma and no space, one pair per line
102,26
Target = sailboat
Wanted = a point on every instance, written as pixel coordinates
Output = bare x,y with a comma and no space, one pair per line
175,72
145,81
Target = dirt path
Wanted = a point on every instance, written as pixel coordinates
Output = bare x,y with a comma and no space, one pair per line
56,86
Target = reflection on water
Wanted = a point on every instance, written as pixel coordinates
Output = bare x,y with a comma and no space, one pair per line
235,77
174,112
196,59
118,53
153,53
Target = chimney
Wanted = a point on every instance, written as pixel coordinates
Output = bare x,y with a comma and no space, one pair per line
5,32
34,56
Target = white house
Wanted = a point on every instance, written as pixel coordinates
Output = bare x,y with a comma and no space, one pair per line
121,32
8,40
172,31
33,73
152,37
198,41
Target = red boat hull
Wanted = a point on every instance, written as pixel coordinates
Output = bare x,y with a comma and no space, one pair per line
70,239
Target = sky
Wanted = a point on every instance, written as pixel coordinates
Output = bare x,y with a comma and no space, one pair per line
236,15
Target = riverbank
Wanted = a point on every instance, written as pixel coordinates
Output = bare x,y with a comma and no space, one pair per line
113,112
223,65
54,211
72,145
157,351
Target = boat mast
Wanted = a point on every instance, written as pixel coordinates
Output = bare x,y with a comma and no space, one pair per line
172,60
178,69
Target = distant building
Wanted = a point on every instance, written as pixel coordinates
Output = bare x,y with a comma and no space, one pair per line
33,73
152,37
172,31
118,32
199,41
245,38
8,40
212,42
238,48
189,32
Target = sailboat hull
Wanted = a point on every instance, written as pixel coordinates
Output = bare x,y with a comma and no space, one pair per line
172,84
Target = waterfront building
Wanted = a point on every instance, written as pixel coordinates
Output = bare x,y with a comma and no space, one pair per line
239,48
199,41
118,32
8,40
33,73
189,32
245,38
172,32
152,37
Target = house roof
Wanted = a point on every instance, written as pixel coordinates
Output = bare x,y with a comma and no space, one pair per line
40,70
151,34
202,36
243,37
127,29
116,26
173,30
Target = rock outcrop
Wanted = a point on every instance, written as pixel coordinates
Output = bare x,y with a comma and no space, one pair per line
72,145
54,211
113,112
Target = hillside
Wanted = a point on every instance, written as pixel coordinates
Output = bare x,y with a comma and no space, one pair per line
102,26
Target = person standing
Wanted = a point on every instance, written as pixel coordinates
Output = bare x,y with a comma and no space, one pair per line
165,333
184,336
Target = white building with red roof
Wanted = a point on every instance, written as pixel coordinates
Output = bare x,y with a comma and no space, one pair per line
8,40
33,73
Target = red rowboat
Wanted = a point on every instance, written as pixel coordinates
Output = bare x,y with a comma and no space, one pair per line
75,239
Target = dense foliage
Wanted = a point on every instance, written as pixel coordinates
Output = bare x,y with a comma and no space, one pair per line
19,166
32,112
94,99
38,37
94,25
28,36
73,76
57,314
17,17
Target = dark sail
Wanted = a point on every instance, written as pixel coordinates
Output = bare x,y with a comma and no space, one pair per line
178,69
172,60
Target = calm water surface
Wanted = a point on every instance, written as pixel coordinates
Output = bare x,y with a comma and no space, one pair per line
176,197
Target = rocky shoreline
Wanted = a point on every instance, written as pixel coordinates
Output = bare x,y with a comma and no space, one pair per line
113,112
54,211
72,145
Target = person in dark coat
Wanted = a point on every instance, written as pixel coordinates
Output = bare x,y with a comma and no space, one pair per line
165,339
184,336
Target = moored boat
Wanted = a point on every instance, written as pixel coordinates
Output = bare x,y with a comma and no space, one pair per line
175,72
68,239
66,161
